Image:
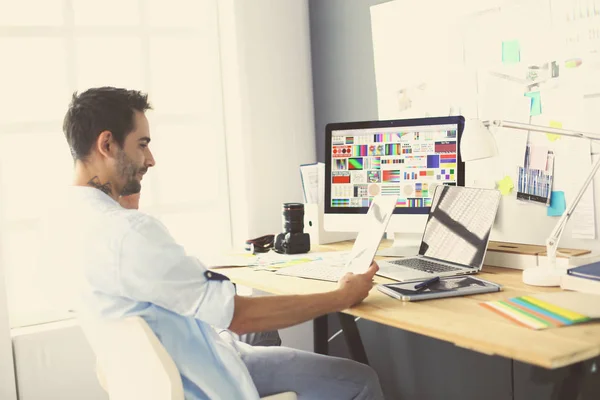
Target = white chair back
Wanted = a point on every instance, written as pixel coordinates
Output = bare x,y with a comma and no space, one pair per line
133,364
131,361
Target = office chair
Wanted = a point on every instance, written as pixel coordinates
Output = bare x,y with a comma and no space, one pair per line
132,363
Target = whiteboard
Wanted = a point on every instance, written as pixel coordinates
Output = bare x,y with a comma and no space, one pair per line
446,59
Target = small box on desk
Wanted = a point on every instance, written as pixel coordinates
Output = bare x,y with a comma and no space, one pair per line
313,225
523,256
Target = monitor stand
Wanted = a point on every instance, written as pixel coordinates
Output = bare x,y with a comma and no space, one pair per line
405,245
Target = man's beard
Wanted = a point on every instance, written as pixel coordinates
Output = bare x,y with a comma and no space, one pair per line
128,170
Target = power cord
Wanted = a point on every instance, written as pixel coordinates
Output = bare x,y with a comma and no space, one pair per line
338,332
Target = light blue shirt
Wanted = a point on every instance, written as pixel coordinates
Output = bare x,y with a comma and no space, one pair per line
127,264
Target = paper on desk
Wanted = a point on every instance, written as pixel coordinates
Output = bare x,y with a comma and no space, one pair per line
279,261
584,216
231,260
269,261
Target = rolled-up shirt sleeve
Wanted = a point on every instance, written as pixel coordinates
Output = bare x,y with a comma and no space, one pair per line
153,268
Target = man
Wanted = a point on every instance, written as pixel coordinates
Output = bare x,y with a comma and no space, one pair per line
130,265
269,338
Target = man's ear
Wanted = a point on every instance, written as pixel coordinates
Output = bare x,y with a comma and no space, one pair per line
105,143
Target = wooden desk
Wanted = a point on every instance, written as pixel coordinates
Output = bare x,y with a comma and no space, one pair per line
459,320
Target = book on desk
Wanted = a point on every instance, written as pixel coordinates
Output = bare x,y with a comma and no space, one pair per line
585,278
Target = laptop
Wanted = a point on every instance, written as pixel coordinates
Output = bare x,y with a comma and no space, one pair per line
363,251
455,238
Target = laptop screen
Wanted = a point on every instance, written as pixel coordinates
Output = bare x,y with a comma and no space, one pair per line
459,225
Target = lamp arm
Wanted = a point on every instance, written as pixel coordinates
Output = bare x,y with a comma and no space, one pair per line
544,129
555,235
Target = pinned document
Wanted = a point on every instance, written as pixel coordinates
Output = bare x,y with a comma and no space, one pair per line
583,219
538,157
511,52
535,185
557,204
536,103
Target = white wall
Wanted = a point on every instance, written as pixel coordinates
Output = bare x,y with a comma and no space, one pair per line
269,116
7,371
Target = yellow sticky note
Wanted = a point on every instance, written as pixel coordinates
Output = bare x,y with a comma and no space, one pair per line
551,136
506,185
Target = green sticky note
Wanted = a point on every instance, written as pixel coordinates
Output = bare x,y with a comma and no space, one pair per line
511,52
557,204
536,103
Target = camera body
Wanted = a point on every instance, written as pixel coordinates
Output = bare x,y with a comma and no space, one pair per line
292,243
292,240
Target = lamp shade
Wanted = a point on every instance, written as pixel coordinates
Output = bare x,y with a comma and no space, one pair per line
477,141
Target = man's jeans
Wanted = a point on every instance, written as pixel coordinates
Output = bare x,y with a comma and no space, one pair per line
275,369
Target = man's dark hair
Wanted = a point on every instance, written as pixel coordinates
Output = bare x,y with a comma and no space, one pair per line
101,109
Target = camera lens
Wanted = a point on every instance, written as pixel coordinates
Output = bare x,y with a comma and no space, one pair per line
293,217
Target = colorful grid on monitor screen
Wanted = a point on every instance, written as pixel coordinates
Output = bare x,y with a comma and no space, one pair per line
406,164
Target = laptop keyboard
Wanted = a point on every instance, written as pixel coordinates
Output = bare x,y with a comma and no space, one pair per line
424,265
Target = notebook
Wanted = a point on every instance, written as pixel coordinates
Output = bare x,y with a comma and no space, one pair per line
572,282
589,271
548,310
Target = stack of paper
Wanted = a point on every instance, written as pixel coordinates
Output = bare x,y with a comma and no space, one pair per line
548,310
270,261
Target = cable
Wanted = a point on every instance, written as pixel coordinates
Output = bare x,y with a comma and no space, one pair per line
338,332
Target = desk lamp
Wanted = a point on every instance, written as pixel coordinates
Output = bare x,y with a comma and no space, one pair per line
477,141
549,274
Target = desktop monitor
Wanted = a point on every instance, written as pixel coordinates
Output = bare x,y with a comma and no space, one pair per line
406,158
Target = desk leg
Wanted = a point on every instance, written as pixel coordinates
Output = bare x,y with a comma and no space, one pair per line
570,387
321,335
353,340
567,382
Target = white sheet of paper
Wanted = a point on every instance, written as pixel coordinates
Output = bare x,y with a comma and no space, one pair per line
584,216
538,158
371,233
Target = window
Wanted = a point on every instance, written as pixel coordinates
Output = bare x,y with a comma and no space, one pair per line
51,48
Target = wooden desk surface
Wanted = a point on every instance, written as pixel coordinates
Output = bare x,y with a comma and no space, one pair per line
459,320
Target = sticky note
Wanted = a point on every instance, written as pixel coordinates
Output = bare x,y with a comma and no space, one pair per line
536,103
557,204
511,52
551,136
573,63
506,185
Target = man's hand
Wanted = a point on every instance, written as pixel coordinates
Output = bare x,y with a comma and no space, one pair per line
355,287
264,313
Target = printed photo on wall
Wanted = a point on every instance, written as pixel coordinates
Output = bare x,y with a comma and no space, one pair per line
535,177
